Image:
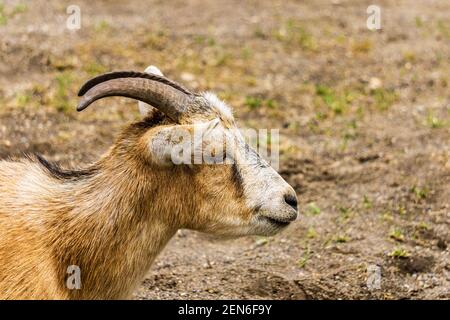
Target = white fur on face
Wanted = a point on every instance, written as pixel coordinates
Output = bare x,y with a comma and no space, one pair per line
144,108
221,107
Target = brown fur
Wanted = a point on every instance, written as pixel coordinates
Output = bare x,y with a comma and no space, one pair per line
111,219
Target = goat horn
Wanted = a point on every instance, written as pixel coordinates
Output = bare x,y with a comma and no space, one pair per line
167,96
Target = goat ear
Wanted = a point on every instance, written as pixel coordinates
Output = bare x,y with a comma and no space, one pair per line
180,144
145,108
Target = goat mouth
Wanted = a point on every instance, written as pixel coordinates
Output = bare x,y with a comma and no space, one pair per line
275,222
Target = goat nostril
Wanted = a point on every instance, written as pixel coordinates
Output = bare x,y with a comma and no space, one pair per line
291,200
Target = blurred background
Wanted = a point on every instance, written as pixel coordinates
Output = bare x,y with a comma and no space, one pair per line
364,119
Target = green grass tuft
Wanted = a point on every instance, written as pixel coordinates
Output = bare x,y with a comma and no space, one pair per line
397,235
383,98
61,97
312,209
305,257
399,253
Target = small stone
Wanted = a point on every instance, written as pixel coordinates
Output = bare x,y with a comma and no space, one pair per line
375,83
185,76
261,242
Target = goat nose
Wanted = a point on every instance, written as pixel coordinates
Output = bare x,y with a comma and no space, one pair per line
291,200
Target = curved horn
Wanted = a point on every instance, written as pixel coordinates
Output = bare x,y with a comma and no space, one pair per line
160,92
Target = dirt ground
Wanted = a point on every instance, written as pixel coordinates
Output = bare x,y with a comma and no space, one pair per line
364,119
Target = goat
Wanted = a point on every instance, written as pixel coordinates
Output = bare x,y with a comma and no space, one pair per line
112,218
